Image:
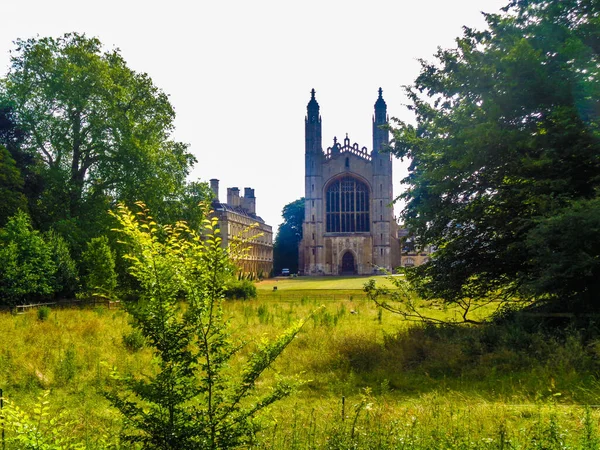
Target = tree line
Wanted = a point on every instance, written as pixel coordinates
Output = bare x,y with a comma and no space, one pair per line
83,139
79,133
504,158
504,175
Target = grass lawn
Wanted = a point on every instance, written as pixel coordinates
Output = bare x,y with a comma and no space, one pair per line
321,283
371,378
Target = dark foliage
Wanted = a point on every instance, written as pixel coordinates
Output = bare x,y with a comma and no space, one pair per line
240,289
505,158
289,235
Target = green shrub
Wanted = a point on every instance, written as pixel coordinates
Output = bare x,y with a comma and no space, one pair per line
43,313
28,272
67,366
240,289
40,428
193,400
134,341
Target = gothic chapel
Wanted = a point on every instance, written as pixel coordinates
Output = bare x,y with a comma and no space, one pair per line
349,226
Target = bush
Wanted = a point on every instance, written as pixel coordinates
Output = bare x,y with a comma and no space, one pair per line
240,289
28,271
41,427
43,313
67,367
134,341
193,400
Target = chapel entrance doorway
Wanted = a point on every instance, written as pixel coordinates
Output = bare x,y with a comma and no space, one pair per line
348,266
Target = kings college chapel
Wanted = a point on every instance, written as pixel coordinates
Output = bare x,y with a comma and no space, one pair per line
349,225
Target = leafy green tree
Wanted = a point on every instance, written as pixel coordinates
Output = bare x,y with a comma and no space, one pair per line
28,272
97,129
11,187
505,151
98,263
186,205
194,399
11,136
564,253
289,235
66,280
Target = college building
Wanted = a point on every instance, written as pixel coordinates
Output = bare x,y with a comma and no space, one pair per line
238,222
349,226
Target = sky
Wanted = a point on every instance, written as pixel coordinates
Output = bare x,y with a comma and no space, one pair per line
239,72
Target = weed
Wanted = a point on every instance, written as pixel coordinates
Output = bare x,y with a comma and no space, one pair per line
433,386
43,313
589,440
134,340
264,316
325,319
67,366
100,310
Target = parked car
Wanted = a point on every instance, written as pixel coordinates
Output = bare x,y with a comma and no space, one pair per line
285,272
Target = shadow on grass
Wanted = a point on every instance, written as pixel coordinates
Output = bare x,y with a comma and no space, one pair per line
520,357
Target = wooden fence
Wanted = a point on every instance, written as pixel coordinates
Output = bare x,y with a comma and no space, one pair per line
88,302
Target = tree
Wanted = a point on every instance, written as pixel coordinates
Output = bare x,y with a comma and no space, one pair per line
11,187
289,235
186,205
97,128
66,280
194,399
98,263
505,153
28,272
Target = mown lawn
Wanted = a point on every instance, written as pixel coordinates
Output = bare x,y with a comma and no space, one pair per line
320,283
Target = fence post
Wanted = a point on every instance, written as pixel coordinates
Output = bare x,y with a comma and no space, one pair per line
2,417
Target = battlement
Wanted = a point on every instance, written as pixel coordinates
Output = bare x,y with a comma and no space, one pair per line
354,149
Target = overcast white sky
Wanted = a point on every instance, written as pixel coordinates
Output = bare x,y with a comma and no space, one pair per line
239,72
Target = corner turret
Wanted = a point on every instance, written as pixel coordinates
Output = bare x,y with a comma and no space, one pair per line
381,136
313,125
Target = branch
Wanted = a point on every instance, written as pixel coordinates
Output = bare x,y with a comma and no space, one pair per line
41,146
404,295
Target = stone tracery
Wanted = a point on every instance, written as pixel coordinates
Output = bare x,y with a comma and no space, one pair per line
347,206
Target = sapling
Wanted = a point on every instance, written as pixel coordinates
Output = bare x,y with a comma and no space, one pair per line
191,398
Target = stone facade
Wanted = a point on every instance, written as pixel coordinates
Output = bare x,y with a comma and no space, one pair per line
410,254
349,225
238,222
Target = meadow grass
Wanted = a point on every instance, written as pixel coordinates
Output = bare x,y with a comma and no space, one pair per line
371,378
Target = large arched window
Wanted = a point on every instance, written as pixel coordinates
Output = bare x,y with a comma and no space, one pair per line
347,206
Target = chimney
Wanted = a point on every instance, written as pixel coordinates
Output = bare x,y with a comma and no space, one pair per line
249,201
214,186
233,196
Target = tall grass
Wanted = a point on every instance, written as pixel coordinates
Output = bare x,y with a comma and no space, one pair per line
435,421
403,385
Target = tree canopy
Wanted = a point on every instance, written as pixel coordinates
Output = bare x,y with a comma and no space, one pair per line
289,235
97,130
505,158
11,187
28,270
